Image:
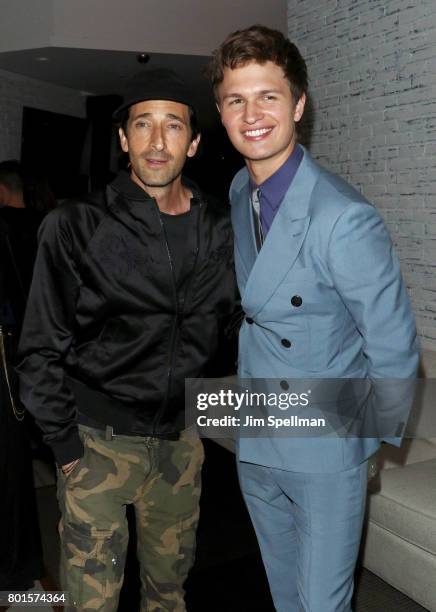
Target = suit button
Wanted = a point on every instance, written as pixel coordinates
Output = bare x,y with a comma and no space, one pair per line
284,385
249,320
286,343
296,301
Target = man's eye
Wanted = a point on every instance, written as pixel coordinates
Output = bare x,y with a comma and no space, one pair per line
140,124
269,97
174,126
235,101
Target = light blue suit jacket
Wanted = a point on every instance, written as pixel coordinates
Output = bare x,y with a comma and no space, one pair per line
329,246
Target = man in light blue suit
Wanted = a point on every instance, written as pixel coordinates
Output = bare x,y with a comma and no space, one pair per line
323,297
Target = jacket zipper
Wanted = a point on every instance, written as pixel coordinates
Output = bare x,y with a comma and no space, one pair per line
197,249
177,319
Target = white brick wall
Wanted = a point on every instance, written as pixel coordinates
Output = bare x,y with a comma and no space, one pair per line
372,69
17,91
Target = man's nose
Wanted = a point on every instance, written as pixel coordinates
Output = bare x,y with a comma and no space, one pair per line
252,112
157,139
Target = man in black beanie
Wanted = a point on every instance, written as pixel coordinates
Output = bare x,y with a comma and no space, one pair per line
127,298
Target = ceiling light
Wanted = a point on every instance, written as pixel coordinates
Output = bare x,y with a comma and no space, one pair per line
142,58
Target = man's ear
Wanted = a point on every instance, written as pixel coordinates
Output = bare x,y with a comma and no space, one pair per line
123,140
192,149
299,108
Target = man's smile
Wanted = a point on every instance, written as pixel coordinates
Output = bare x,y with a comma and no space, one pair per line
257,134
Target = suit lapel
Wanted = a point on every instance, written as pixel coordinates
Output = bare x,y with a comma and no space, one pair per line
284,239
245,243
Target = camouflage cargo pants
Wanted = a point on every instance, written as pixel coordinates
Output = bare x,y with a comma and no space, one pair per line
162,479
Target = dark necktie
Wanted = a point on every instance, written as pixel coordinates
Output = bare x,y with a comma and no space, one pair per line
255,201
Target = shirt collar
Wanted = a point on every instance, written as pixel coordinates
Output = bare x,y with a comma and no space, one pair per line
276,186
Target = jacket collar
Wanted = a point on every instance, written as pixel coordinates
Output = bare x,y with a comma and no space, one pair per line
126,199
124,185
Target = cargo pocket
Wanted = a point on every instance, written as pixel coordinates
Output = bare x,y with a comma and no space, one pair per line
92,566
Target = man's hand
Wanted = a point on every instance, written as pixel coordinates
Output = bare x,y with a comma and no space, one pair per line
69,467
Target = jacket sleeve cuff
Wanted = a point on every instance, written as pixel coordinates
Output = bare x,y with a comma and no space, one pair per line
67,449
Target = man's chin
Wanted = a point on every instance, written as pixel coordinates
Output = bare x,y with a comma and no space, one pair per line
157,181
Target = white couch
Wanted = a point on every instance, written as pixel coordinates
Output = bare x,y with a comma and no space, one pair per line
400,533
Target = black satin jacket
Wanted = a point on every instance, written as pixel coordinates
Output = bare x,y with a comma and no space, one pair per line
107,334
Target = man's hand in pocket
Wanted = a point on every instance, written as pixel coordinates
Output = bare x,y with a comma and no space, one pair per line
69,467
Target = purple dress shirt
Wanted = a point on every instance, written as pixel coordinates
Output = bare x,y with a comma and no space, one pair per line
273,190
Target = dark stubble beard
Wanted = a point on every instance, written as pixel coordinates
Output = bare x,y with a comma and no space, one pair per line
147,178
